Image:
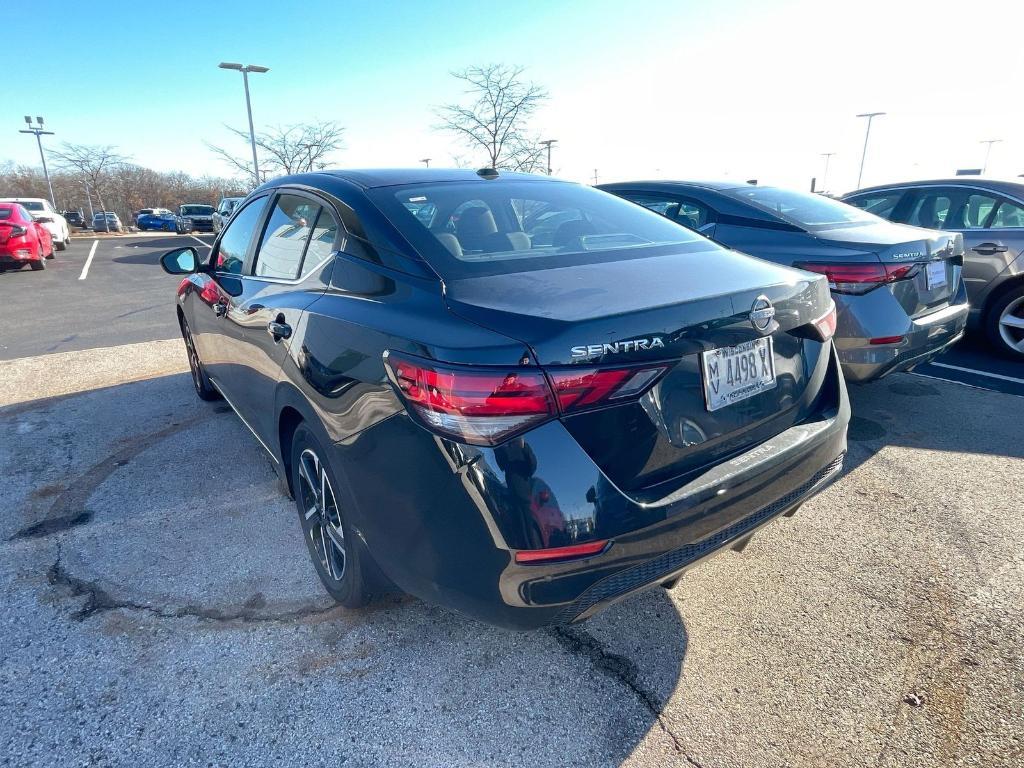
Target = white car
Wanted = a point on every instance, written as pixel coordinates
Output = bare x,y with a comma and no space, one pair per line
40,208
224,210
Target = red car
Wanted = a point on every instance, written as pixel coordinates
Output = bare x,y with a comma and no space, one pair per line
23,240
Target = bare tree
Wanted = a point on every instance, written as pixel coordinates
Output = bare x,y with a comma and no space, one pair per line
288,149
494,121
94,165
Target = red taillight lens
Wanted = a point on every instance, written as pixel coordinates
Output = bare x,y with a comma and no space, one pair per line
826,324
860,278
483,407
560,553
486,406
577,390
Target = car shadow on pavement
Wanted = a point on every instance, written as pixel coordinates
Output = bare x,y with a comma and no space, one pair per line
165,523
915,412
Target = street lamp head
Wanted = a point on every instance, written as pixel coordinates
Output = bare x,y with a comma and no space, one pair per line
871,114
230,65
39,120
256,68
28,120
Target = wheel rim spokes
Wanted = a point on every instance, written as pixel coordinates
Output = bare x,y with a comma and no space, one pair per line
322,517
1011,325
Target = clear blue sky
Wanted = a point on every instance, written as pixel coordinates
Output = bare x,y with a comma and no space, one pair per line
680,89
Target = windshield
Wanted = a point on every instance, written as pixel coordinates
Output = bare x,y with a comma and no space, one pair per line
474,228
803,209
196,210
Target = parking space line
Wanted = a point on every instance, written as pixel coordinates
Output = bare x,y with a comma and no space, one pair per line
205,245
88,261
978,373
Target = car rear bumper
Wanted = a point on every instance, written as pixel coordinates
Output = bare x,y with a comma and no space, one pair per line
443,520
925,338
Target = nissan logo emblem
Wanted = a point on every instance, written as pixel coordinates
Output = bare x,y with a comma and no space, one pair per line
761,313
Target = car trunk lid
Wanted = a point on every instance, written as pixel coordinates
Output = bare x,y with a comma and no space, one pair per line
666,310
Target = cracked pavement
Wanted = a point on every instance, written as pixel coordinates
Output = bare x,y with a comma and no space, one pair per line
159,607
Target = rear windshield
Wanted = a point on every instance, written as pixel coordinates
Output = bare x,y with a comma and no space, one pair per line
474,228
196,210
5,213
803,209
32,205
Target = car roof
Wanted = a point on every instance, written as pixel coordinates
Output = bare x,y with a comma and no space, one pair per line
1015,188
391,177
718,186
25,200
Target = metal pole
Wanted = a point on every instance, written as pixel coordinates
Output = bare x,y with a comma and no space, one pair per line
252,132
988,151
870,116
548,143
824,178
46,173
92,213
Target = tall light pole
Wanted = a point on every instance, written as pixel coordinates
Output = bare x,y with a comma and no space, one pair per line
426,161
870,116
248,105
988,151
547,143
39,132
824,178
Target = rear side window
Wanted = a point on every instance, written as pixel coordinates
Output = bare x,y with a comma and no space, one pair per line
5,213
976,211
684,212
882,204
1008,215
321,241
234,242
498,226
931,209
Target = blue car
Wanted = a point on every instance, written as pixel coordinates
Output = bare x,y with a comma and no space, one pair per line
166,222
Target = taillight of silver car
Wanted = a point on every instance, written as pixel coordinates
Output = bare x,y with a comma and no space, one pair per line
860,278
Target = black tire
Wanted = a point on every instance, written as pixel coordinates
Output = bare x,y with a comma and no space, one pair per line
200,381
1006,338
337,554
37,265
60,245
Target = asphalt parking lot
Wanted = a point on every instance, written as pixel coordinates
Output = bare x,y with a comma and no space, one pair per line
160,608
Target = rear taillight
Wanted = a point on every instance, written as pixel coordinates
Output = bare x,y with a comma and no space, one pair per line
555,554
17,232
860,278
826,324
486,406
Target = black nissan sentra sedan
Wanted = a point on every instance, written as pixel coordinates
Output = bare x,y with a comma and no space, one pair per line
518,397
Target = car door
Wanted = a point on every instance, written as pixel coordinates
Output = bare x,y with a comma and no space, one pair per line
993,230
213,306
297,239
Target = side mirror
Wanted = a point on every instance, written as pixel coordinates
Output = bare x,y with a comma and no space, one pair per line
44,219
180,261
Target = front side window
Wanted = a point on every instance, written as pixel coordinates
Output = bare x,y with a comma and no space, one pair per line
284,237
234,242
492,227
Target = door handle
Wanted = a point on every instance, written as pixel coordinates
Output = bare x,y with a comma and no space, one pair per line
279,330
990,248
220,308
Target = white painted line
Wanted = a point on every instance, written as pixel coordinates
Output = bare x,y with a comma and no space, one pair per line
88,261
205,245
980,373
949,381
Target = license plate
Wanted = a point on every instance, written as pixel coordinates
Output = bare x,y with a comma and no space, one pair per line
935,274
735,373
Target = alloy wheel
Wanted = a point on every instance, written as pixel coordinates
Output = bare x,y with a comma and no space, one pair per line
321,515
1011,324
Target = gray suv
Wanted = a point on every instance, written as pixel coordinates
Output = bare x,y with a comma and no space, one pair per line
990,216
898,291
